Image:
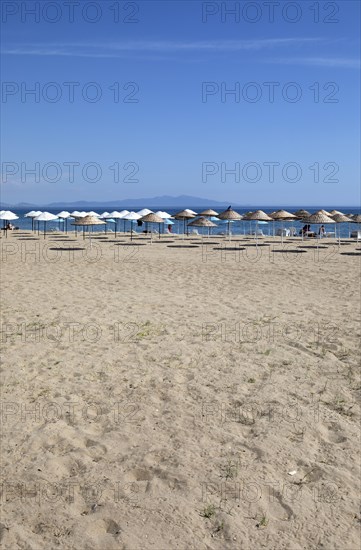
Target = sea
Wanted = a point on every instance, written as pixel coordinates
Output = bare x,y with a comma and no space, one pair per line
237,228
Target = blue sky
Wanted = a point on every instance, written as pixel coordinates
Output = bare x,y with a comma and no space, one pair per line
169,132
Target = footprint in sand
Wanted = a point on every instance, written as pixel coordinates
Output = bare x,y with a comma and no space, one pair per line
334,433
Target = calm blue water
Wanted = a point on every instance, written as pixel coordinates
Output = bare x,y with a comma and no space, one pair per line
237,228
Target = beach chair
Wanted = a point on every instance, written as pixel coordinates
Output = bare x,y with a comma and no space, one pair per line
283,232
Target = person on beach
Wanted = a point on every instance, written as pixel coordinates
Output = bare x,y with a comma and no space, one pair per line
321,231
9,227
169,228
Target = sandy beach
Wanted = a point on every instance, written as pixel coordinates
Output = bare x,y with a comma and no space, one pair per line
183,394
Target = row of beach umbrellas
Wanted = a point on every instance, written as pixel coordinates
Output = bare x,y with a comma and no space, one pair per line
205,218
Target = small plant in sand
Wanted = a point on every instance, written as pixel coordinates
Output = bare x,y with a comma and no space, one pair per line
263,522
208,511
251,380
229,470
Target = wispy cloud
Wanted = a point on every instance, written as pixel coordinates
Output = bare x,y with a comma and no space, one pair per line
119,49
335,62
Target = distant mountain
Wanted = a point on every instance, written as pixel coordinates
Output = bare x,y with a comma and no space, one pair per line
162,201
6,206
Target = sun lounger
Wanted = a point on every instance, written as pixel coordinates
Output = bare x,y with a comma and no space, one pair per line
283,232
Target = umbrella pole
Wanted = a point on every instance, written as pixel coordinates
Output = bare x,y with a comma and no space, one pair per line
44,229
131,230
159,232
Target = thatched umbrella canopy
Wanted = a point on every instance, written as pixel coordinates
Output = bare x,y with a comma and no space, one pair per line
202,222
184,215
340,218
88,221
259,215
152,218
334,212
302,214
209,213
324,212
318,218
282,215
229,215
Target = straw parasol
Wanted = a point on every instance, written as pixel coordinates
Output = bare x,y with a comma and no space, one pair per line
88,221
45,217
282,215
340,218
202,222
152,218
209,213
184,215
7,216
324,212
318,218
259,216
229,215
302,214
334,212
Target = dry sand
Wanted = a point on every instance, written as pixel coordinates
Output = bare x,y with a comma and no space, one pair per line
158,397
